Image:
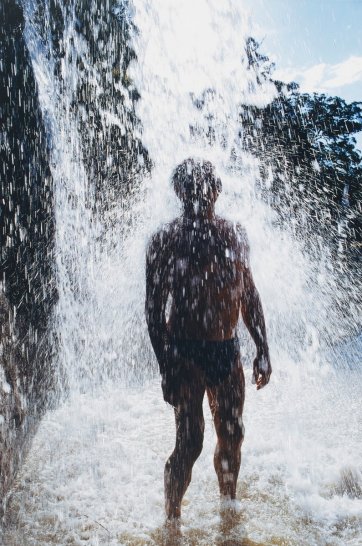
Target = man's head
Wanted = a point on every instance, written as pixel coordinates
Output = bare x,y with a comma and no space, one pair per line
196,184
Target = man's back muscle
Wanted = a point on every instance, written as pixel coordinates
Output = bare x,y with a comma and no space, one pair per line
205,262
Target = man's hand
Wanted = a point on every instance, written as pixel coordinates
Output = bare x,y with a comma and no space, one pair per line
261,371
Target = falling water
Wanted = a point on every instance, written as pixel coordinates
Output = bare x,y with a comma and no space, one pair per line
94,474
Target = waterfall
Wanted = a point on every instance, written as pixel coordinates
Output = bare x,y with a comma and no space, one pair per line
106,445
92,197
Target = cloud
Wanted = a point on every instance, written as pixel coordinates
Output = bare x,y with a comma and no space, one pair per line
324,77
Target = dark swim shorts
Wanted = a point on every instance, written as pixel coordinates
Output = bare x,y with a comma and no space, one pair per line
213,362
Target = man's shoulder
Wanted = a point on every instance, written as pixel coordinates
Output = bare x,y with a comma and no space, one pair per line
163,236
233,229
241,234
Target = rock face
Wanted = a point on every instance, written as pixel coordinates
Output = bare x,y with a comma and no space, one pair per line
27,288
92,40
89,40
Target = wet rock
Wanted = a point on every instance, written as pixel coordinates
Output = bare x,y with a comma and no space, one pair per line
93,38
27,290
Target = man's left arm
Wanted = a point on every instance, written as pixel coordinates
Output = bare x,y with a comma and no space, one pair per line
253,316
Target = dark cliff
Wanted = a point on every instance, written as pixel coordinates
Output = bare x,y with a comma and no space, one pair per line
26,247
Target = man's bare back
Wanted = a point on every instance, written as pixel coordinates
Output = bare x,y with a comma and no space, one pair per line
205,280
199,264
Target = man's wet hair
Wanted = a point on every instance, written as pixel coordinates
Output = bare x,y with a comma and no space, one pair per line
195,180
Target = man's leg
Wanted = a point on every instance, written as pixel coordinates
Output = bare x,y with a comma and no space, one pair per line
226,404
189,439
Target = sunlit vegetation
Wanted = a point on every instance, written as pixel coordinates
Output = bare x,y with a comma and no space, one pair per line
311,170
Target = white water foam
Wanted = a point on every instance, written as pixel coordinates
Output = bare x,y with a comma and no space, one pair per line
95,473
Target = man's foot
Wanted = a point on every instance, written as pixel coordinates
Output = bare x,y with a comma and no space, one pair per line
231,517
172,535
230,505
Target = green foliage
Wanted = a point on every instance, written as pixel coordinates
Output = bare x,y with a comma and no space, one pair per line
310,168
93,41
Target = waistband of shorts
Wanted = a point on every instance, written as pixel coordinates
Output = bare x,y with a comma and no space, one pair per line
204,342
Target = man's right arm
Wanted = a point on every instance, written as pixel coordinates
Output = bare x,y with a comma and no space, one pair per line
157,290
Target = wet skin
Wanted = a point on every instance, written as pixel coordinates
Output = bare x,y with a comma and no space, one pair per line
198,266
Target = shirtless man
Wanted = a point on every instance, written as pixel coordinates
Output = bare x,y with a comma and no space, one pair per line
198,267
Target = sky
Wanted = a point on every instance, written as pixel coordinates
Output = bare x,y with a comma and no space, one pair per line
317,43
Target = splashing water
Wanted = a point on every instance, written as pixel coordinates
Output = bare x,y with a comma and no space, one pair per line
94,474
